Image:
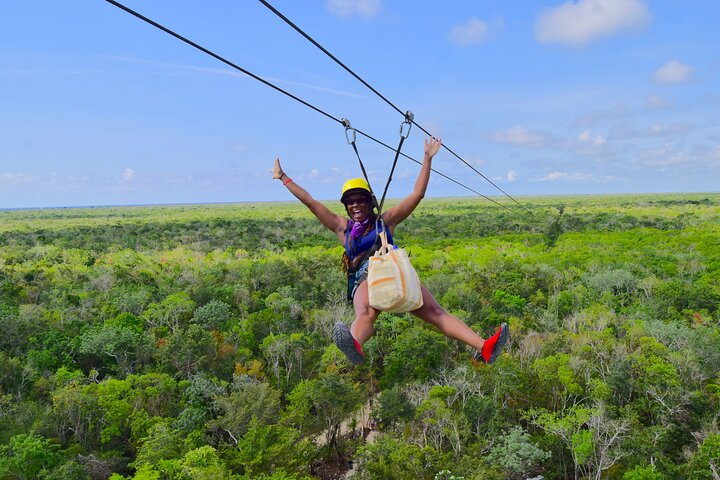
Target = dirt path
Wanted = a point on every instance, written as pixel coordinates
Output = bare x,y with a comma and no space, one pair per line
363,425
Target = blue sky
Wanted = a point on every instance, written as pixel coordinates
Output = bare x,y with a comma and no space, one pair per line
543,97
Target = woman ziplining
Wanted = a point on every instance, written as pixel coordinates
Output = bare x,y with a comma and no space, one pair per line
360,209
358,234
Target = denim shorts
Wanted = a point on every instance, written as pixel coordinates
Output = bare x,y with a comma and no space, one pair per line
356,278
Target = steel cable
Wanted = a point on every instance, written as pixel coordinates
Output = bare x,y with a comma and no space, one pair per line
285,92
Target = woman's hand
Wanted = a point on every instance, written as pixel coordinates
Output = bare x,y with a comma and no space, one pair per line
277,170
432,145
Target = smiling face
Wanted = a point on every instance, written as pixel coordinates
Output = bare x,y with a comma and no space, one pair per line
358,206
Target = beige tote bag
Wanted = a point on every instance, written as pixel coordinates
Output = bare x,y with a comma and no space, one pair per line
393,284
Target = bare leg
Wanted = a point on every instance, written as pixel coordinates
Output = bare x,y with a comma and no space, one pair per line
451,326
364,325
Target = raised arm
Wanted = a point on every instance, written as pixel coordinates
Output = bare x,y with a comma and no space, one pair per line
402,210
330,220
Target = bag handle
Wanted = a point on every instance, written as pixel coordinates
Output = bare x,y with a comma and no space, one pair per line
385,247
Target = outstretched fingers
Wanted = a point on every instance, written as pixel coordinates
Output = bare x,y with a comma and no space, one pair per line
277,170
432,145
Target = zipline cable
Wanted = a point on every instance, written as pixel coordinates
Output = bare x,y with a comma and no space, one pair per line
436,171
218,57
275,87
334,58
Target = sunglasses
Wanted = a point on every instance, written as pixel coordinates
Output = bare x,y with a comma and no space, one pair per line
360,200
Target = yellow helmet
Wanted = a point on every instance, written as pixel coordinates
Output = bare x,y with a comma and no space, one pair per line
355,185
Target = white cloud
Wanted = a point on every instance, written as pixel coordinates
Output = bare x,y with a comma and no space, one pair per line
564,176
404,173
699,158
673,73
128,175
315,175
476,161
568,177
626,131
578,23
314,87
590,119
182,69
586,136
8,178
346,8
474,31
519,135
656,102
509,177
664,157
15,73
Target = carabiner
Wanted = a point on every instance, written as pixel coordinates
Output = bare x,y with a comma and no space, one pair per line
379,225
409,117
346,124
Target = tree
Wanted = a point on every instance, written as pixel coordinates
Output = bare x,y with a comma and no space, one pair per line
19,326
190,351
10,373
437,424
253,400
619,282
173,312
417,354
320,405
656,381
516,453
212,315
77,415
119,348
203,463
26,456
390,457
592,436
68,470
198,401
705,462
643,472
161,443
267,448
393,406
287,357
557,377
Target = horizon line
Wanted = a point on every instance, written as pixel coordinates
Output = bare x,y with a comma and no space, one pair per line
240,202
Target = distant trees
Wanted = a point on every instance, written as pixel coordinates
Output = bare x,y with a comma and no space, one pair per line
193,342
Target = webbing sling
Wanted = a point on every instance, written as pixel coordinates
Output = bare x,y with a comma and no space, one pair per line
403,135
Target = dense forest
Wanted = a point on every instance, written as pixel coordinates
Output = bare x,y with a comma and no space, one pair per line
193,342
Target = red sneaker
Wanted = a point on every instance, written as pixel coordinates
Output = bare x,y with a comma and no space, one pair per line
493,345
347,344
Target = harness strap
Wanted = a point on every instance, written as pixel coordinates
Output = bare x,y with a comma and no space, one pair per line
362,167
403,135
351,141
351,265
